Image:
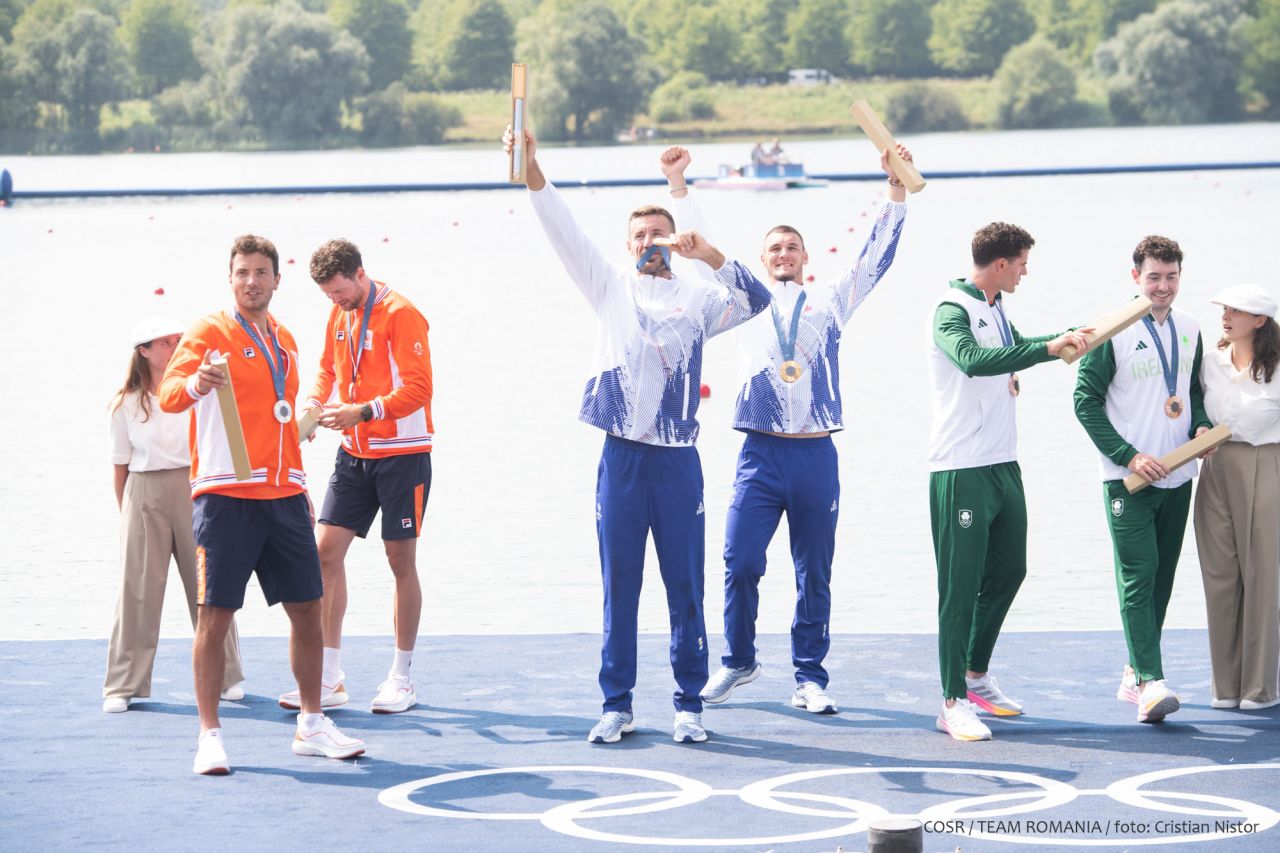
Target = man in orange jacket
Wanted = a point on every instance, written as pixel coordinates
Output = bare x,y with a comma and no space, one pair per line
260,525
377,364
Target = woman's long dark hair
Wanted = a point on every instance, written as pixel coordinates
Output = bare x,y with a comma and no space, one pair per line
1266,351
138,381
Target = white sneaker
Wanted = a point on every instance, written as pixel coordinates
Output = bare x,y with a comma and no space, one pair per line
961,722
394,695
813,699
211,755
115,704
720,685
688,728
327,741
1156,701
1128,689
1258,705
1222,704
987,696
612,726
234,693
331,695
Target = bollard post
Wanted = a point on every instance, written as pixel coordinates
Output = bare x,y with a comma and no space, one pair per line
895,835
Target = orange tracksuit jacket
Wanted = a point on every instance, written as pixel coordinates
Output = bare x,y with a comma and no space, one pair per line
274,454
394,376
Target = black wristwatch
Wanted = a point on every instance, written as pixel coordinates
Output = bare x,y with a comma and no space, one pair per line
366,413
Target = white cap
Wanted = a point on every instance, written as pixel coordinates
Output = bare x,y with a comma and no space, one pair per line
1249,298
148,329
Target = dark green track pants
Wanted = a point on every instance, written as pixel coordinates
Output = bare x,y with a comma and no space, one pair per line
1146,535
979,520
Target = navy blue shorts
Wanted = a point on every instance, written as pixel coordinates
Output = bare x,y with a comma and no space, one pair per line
398,485
236,537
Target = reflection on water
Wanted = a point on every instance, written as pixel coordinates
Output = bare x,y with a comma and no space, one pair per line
510,543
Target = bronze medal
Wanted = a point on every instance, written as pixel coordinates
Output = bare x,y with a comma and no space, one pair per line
1015,387
790,370
1173,406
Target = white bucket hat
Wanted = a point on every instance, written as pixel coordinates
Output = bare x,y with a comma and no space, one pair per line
1249,298
148,329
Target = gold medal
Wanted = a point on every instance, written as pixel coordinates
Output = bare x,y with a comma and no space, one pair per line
790,371
1015,387
1173,406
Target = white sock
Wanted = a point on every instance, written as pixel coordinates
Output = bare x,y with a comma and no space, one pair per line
309,722
402,662
332,666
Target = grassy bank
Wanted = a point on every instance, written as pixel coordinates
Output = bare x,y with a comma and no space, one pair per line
740,110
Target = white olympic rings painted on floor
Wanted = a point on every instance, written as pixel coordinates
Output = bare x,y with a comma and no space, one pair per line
856,814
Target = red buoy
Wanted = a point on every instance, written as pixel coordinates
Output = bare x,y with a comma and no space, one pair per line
704,391
833,250
290,261
809,277
159,291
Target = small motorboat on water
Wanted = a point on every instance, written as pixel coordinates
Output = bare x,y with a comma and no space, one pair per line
771,176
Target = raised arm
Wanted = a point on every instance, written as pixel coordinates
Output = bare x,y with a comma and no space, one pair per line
581,258
688,213
882,244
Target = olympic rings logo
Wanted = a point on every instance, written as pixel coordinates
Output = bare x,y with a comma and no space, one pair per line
855,815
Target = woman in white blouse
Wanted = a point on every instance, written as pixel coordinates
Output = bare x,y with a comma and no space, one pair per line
152,461
1237,514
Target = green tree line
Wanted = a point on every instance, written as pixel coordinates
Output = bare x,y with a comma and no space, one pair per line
89,75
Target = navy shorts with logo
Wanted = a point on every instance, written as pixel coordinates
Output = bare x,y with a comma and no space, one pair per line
236,537
398,485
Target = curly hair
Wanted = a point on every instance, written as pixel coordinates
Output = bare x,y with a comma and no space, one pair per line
336,257
999,240
252,244
1157,248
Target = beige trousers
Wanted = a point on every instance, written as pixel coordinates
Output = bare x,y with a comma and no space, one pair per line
155,525
1237,520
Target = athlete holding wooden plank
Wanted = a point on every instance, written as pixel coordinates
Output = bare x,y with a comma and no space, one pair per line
262,525
977,507
1138,397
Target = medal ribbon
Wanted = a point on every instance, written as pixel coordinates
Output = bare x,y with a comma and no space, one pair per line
788,346
274,357
1006,332
1170,371
655,249
357,349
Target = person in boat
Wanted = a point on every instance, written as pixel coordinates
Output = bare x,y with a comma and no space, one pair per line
643,393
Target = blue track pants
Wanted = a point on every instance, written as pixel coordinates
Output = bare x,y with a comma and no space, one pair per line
643,487
798,476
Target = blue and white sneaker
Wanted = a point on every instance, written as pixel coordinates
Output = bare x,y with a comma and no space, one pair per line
612,726
720,685
688,728
813,699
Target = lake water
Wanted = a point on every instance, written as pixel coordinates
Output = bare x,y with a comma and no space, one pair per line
510,543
